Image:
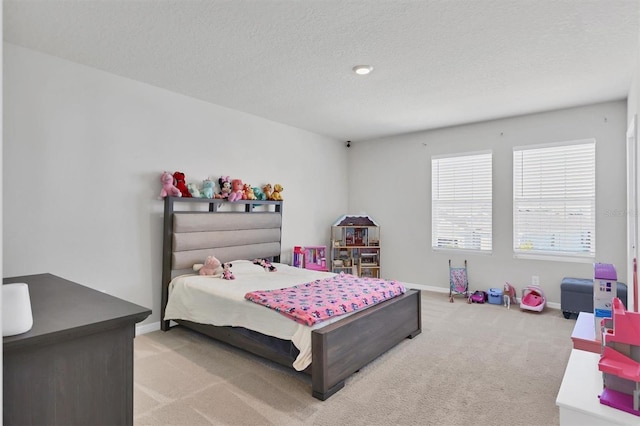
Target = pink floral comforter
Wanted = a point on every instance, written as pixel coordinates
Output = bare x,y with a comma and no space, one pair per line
319,300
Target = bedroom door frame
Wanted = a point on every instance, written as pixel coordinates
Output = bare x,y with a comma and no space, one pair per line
632,214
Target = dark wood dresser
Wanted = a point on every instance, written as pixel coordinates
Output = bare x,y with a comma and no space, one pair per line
75,366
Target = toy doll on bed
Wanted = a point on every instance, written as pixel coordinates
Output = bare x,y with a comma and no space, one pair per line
265,264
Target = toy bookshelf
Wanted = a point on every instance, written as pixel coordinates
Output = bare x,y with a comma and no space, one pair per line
310,257
298,257
316,258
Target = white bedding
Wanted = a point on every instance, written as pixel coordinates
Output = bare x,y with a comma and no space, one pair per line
209,300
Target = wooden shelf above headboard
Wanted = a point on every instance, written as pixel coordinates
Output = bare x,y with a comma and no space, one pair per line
215,203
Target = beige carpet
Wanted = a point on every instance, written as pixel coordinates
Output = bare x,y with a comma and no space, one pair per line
472,365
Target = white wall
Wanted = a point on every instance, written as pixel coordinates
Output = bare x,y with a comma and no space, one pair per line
397,194
633,107
1,197
83,153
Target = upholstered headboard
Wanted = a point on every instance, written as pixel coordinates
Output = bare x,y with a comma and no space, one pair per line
223,231
227,236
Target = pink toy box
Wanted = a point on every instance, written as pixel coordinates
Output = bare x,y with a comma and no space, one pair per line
298,257
310,257
315,258
495,296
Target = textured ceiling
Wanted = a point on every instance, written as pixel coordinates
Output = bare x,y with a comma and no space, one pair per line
436,63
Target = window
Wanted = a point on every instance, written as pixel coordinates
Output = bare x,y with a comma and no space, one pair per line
461,198
554,192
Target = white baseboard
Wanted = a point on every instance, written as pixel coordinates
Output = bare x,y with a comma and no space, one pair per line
427,288
147,328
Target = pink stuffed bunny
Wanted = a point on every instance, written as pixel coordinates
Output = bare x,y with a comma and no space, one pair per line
168,186
212,266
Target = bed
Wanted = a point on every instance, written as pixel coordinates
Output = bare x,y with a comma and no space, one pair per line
330,351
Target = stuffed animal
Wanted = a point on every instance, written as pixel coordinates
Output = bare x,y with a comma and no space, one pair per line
225,187
265,264
267,191
207,188
181,184
259,194
236,193
276,194
212,266
248,192
226,272
193,190
168,187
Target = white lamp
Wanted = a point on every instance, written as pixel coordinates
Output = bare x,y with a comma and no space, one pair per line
16,309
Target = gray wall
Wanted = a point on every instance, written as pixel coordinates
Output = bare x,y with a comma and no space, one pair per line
397,193
83,153
633,101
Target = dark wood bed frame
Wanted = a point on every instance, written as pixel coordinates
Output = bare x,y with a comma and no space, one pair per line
338,349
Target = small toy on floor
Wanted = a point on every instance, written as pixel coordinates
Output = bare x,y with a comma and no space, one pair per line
478,296
509,295
533,298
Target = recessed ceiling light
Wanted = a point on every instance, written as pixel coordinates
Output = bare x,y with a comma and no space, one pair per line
362,69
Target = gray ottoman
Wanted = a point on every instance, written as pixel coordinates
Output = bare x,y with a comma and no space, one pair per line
576,295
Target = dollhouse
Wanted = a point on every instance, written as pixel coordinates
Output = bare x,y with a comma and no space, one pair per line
355,246
620,359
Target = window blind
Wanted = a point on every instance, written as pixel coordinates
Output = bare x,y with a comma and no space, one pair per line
461,202
554,199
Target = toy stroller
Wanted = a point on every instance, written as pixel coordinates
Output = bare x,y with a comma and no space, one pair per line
533,298
458,282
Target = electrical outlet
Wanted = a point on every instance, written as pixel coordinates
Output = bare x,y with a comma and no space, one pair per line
535,280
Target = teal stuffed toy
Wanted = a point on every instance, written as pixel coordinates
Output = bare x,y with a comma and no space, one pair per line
207,188
259,194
